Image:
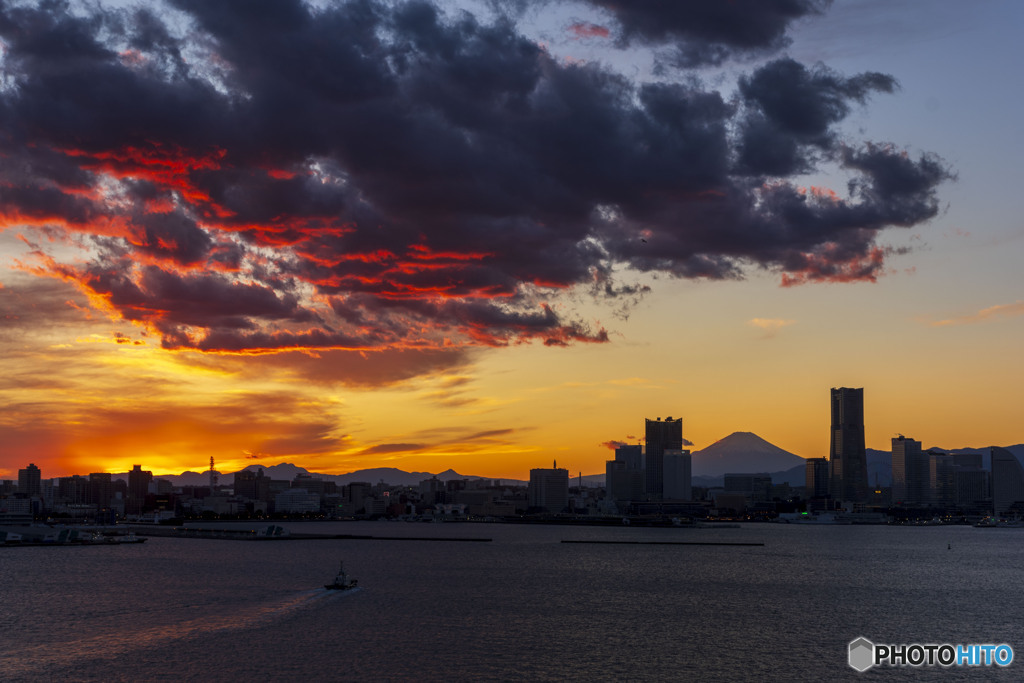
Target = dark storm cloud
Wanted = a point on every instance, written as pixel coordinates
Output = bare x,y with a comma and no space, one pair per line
791,111
255,176
709,31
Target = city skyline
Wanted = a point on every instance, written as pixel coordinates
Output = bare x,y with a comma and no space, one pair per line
277,250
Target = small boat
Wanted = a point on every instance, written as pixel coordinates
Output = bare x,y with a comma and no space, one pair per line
341,581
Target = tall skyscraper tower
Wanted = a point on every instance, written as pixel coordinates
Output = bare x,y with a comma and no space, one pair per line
659,436
848,461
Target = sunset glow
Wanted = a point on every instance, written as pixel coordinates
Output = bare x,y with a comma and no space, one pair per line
420,238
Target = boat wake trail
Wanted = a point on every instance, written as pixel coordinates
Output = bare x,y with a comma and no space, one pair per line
28,661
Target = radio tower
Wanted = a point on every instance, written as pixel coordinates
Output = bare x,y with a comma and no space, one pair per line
213,477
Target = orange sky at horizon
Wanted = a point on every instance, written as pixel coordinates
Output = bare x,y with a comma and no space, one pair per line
496,413
509,253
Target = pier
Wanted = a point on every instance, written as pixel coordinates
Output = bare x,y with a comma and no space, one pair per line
666,542
276,533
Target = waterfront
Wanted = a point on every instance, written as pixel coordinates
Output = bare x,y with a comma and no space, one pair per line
524,606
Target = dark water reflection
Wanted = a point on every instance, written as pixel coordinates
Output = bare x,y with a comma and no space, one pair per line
522,607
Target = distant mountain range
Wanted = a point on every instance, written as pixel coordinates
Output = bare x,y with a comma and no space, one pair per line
738,453
288,471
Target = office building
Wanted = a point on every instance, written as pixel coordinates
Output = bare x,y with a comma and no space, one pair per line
910,473
816,478
756,487
632,455
659,436
676,479
138,488
252,485
296,500
624,476
972,487
1007,481
30,481
941,485
848,464
621,482
101,489
549,489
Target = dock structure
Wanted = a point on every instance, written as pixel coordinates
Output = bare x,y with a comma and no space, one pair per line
739,543
277,533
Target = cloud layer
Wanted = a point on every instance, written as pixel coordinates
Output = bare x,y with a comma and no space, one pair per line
367,176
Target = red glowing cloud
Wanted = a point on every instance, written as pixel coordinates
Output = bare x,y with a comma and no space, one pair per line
585,30
389,180
829,266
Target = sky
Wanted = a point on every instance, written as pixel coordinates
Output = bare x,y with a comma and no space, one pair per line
487,235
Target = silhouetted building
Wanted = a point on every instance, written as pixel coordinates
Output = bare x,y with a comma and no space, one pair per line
622,483
1007,480
971,487
101,489
848,461
296,500
30,481
910,472
252,485
756,487
624,476
659,436
549,489
967,459
942,491
632,455
432,491
816,478
74,490
138,488
356,494
676,482
308,482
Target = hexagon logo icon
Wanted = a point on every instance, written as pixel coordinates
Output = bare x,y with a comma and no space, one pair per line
862,654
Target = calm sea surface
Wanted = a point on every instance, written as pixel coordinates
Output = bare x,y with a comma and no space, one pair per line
522,607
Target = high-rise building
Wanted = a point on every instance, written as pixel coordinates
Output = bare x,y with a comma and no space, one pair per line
624,476
972,487
941,485
101,489
910,472
676,480
848,461
632,455
30,481
1007,480
73,490
549,489
816,478
138,488
659,436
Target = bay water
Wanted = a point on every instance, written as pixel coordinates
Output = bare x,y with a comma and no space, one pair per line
523,606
